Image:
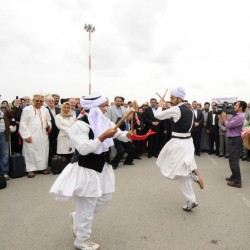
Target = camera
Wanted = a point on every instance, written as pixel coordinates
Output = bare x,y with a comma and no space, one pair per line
228,109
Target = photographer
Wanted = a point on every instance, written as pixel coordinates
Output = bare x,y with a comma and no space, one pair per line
234,128
223,144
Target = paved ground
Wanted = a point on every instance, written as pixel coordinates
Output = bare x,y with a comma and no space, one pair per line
145,212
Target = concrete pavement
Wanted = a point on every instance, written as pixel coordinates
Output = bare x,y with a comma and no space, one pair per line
145,213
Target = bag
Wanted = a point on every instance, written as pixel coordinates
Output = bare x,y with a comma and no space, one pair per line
17,166
58,163
3,182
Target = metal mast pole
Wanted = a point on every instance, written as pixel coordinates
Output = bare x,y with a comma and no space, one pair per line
90,29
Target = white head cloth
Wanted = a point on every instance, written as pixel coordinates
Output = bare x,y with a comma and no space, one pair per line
178,92
97,120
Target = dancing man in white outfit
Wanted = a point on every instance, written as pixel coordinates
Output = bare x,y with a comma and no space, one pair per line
89,178
176,159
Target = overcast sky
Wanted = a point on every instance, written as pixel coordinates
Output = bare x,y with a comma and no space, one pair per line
140,47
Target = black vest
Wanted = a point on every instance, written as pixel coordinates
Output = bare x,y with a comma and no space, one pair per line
184,123
91,161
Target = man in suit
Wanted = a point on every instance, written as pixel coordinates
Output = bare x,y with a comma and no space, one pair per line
115,113
153,124
75,112
139,128
56,100
204,134
213,130
53,111
166,128
197,128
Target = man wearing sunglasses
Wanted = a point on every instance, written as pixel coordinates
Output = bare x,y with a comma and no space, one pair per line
34,127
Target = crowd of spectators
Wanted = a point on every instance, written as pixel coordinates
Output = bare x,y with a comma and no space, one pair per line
41,125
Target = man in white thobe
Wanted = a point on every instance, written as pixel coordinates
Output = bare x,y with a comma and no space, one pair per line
34,127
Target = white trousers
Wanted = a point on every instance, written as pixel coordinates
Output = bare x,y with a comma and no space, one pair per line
86,207
186,188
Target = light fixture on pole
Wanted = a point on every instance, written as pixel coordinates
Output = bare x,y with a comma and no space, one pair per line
89,28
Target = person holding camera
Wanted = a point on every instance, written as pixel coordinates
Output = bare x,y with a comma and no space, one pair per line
234,129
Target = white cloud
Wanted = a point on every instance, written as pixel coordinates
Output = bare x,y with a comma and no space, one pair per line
139,47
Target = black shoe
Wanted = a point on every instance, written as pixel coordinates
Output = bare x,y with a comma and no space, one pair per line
226,156
155,155
221,155
149,156
129,164
198,154
229,179
210,153
244,159
114,166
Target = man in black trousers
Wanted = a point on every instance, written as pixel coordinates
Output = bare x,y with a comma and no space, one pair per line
153,124
213,130
53,111
197,128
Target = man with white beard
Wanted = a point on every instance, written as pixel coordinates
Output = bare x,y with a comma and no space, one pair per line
34,127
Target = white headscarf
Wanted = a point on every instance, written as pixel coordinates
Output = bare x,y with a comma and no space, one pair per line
93,100
97,120
178,91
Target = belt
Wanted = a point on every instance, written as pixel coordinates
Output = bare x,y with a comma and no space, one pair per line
178,137
181,135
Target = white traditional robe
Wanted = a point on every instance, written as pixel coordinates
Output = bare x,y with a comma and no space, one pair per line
176,159
33,124
64,144
84,182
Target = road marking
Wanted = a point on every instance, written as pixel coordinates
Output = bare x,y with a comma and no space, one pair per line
247,202
212,160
